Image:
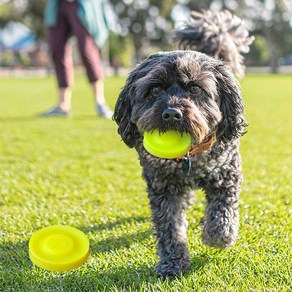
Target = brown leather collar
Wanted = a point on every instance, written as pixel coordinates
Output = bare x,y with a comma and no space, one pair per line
199,148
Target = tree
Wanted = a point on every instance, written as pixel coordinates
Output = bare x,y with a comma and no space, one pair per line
145,21
34,17
272,20
28,12
11,10
268,19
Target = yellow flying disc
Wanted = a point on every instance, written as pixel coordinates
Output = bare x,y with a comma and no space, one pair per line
169,145
59,248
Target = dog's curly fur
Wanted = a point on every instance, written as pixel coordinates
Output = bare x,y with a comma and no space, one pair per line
205,94
221,35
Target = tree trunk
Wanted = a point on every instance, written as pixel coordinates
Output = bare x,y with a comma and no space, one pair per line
272,46
273,59
137,46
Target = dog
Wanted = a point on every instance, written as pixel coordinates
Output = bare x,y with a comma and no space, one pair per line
189,92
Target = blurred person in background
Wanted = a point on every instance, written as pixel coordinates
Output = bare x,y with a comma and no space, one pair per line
86,21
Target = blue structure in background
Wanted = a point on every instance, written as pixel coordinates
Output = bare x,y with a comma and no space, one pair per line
17,37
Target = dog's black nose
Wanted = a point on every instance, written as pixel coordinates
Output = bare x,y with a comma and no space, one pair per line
171,115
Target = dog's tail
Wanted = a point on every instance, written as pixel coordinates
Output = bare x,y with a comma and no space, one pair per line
219,34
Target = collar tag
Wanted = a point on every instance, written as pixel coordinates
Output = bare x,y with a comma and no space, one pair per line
186,164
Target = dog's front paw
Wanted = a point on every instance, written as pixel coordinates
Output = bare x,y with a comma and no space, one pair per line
171,269
219,235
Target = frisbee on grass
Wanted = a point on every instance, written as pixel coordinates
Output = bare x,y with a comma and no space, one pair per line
59,248
169,145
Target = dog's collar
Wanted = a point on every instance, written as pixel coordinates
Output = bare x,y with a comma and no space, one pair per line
205,145
199,148
196,149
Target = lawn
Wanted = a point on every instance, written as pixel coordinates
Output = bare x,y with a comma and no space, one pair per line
76,171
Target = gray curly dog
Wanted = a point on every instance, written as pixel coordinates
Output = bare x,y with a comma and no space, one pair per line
190,92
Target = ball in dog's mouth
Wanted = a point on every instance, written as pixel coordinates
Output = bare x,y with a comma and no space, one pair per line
167,145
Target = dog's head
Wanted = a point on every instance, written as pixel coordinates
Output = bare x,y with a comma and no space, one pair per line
184,91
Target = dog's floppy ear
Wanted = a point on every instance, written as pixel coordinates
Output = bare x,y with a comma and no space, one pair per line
233,122
122,116
123,109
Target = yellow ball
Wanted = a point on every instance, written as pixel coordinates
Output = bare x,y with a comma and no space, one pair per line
168,145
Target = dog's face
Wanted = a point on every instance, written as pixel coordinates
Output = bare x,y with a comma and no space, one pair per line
182,90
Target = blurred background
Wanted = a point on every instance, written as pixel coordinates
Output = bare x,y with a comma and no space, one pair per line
141,27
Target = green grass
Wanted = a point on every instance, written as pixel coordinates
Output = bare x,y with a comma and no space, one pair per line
76,171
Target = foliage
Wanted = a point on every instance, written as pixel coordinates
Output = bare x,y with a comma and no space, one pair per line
147,24
268,19
34,17
120,51
145,21
271,19
10,10
4,14
76,171
259,53
28,12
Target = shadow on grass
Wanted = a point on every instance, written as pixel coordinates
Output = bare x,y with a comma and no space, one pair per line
119,279
18,119
124,241
115,224
126,278
17,272
14,265
116,242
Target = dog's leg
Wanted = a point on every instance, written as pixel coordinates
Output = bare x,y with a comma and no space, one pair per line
221,221
169,219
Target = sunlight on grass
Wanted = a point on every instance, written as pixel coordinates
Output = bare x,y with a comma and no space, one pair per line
76,171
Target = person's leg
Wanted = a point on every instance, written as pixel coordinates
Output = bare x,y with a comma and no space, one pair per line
61,53
98,90
64,98
91,59
101,106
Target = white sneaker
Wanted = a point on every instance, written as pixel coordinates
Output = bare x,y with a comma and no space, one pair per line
104,111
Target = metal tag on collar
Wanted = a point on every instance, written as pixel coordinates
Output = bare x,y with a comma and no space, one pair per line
186,164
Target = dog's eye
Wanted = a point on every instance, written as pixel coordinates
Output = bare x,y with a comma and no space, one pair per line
195,89
155,90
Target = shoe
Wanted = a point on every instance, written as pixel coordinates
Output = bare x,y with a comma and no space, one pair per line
54,112
104,111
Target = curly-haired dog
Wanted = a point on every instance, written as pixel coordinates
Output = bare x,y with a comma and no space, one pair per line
190,92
